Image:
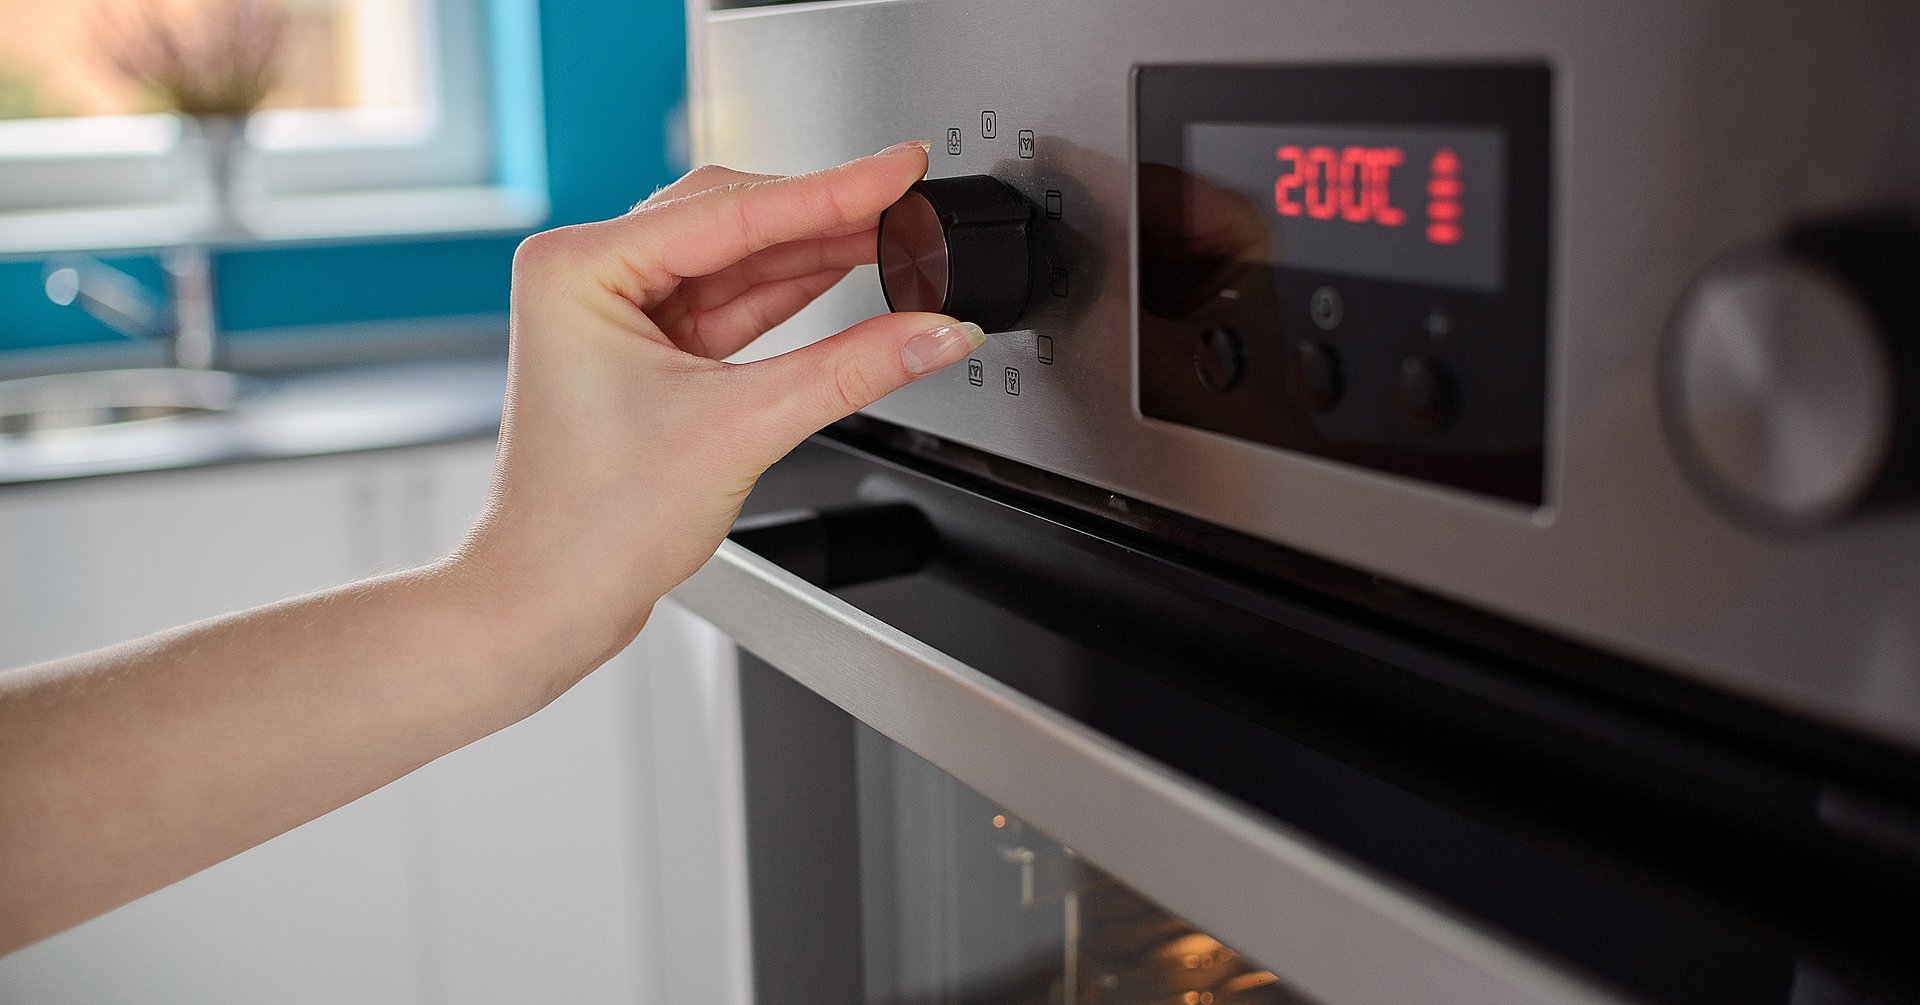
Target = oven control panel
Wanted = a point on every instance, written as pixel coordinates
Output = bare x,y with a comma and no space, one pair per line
1551,312
1350,262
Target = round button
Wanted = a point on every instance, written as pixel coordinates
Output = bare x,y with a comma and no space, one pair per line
1315,375
1778,391
1219,359
1327,308
1424,394
958,246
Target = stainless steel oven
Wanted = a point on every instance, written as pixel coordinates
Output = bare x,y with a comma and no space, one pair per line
1434,521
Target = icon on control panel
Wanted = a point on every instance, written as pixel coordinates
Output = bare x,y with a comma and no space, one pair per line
976,372
1327,308
1044,345
989,125
1056,206
1026,143
1059,277
1013,381
953,140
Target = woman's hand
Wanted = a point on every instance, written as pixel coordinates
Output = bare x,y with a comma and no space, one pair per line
626,449
628,445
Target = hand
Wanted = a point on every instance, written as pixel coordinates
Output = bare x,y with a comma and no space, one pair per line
628,446
626,449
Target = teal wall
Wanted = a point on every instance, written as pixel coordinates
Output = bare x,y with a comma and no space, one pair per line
611,73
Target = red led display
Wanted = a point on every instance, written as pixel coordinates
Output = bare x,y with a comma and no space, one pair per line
1349,183
1443,197
1411,203
1352,184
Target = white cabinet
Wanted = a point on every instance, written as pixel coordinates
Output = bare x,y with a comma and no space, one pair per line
518,869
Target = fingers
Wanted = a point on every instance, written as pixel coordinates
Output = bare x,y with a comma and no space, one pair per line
702,179
719,332
705,232
787,261
811,387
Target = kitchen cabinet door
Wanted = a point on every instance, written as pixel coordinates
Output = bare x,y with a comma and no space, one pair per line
543,866
520,868
333,911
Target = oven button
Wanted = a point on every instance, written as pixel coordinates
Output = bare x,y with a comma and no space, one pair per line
1219,359
1792,375
959,246
1424,394
1315,375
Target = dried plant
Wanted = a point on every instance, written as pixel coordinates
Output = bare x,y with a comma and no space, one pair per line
209,58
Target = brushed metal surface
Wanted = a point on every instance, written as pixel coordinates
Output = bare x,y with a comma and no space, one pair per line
1781,392
1683,128
1328,928
913,260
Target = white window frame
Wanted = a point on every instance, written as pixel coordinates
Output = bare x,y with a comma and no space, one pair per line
105,162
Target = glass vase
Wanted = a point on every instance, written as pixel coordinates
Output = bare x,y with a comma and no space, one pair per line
218,188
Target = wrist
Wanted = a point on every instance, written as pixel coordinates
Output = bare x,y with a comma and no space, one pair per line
539,633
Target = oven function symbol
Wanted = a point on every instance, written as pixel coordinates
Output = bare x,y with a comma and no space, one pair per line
1055,204
953,141
1327,308
1013,381
1026,143
1059,282
976,373
989,125
1045,346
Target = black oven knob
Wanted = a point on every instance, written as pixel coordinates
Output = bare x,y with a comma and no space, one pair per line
1791,385
959,246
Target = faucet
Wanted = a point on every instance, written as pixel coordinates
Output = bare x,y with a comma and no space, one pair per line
186,324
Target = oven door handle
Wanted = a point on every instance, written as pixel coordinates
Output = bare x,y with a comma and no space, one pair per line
1325,926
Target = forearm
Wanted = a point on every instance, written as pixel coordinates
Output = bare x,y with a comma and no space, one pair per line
128,768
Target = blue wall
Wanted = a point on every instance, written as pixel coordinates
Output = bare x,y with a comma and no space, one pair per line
611,74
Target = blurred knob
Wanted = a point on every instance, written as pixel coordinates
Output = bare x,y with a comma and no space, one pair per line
1789,383
958,246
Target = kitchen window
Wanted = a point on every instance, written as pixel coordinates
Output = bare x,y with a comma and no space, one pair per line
374,96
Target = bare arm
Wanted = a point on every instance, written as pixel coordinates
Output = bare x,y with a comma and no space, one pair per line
627,448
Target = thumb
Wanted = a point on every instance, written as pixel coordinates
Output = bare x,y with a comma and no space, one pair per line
817,385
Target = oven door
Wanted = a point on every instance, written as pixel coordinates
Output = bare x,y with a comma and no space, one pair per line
1052,766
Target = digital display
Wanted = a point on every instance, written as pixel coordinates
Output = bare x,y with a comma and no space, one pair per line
1416,204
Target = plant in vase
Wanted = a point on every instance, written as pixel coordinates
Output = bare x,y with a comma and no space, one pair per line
212,63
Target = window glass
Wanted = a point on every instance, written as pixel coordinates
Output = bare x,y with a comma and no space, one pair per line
337,54
368,94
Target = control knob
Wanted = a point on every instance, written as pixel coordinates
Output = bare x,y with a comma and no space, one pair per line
1791,386
959,246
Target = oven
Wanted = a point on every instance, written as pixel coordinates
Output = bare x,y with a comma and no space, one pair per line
1433,521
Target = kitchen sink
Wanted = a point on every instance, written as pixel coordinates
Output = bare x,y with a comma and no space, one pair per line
71,425
66,402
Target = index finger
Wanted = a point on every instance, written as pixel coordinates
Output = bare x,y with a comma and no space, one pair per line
703,233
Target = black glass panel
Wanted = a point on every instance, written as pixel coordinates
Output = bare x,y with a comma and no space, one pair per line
1351,262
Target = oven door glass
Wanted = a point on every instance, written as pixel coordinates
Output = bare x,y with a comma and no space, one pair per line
1558,835
902,885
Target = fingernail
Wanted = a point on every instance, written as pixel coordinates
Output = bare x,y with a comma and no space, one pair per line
899,148
930,350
